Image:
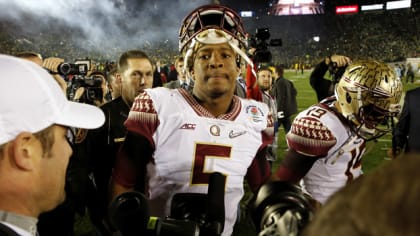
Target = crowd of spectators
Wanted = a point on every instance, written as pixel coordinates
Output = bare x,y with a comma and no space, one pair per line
388,36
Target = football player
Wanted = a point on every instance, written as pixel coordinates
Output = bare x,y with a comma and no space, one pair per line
177,138
327,140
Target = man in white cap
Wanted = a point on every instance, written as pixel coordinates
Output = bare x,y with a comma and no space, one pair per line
35,139
176,139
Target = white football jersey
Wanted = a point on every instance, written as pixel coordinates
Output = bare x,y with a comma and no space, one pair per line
191,143
319,132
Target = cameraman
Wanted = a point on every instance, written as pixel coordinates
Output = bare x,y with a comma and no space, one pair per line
335,64
95,93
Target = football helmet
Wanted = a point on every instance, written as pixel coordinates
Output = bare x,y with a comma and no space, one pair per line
368,94
212,24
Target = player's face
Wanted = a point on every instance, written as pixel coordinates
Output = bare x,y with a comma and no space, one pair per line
52,170
264,79
137,77
215,70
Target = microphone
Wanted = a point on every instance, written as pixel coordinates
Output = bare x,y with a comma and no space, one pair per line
216,203
129,213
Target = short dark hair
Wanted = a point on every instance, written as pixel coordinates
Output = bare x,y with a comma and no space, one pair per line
279,68
45,136
262,68
123,60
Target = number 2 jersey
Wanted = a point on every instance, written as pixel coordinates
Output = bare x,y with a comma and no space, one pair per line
320,132
190,143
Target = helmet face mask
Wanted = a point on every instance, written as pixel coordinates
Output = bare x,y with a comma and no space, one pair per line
212,24
211,17
368,94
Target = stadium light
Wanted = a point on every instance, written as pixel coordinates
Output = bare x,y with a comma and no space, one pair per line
246,13
398,4
372,7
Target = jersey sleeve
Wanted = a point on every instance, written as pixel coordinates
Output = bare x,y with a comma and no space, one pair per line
138,146
310,137
143,119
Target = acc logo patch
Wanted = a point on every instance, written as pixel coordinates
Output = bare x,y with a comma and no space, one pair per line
256,113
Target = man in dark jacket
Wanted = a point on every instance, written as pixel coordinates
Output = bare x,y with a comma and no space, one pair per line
285,93
324,87
406,134
135,73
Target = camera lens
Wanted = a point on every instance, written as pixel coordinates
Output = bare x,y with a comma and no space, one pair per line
64,68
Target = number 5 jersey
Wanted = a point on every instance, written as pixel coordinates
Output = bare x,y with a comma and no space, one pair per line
190,143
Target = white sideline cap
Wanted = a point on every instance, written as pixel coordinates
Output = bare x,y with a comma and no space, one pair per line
31,100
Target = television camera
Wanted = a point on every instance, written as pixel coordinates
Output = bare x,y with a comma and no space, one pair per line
260,42
72,69
335,71
76,76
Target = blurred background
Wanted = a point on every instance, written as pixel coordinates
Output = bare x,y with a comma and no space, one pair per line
308,29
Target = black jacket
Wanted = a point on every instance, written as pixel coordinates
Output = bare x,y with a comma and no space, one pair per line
285,93
323,87
406,133
102,145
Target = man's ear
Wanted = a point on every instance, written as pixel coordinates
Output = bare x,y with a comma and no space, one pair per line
118,78
24,151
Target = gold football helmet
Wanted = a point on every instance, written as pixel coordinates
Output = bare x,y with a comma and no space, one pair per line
368,93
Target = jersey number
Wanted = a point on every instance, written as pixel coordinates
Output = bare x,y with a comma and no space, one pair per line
316,112
203,151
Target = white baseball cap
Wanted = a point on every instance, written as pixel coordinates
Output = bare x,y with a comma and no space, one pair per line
31,100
